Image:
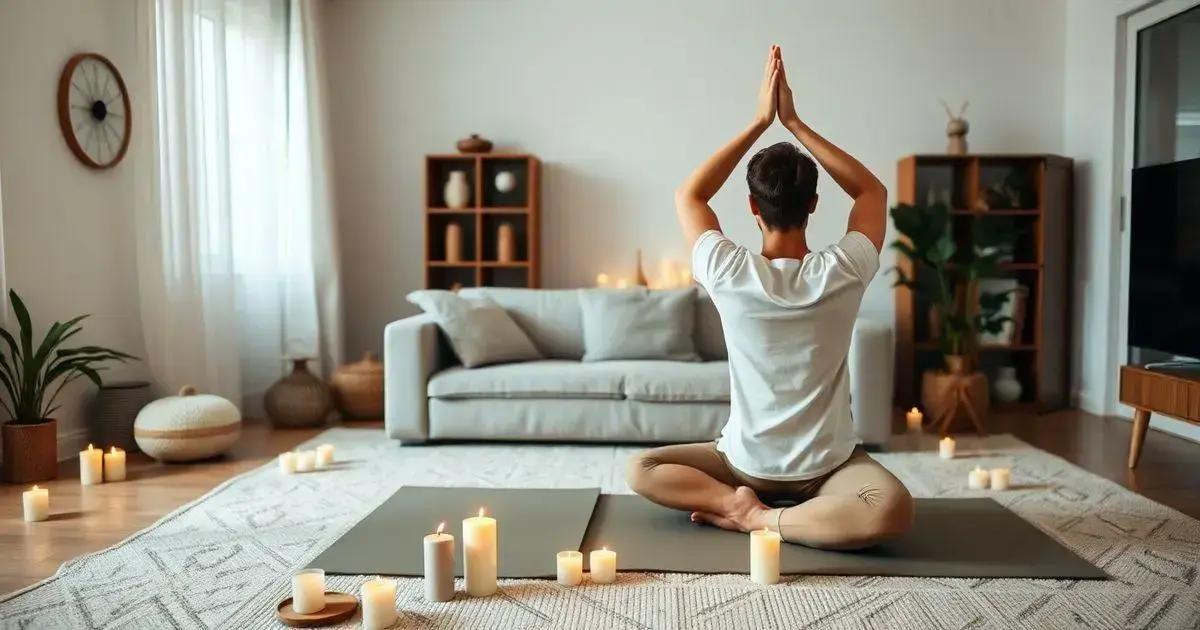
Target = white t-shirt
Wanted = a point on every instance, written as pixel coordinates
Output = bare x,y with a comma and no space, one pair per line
787,325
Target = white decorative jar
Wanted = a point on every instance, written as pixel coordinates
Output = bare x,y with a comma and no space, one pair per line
187,427
506,181
1007,389
457,191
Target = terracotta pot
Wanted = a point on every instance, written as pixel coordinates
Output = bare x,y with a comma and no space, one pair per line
358,388
30,452
299,399
951,399
474,144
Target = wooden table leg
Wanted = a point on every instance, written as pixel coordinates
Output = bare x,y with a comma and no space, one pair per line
1141,420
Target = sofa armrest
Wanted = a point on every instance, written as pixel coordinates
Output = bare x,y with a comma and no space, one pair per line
871,368
411,355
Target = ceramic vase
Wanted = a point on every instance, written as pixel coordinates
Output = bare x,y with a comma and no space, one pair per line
454,243
358,388
30,451
457,192
1007,389
506,181
299,399
506,243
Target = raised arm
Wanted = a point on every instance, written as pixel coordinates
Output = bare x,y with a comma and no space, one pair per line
691,198
868,215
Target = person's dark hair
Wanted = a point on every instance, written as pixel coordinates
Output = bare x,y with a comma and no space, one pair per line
783,182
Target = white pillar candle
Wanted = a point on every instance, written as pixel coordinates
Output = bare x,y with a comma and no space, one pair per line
36,502
324,455
378,604
1000,478
91,466
439,566
570,568
287,463
602,565
946,448
305,461
114,465
308,591
764,556
479,555
977,479
913,419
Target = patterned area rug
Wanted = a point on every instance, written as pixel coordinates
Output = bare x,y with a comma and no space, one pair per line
224,560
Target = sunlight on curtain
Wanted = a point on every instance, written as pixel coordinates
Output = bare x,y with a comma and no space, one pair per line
233,281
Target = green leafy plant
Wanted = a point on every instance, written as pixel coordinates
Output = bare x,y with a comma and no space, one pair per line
33,376
954,273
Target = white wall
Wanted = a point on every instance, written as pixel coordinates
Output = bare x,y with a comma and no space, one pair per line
622,99
68,230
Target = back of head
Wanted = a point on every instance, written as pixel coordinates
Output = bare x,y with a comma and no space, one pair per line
783,184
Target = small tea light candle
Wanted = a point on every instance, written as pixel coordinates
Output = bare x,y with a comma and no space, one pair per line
570,568
439,565
36,502
622,283
1001,477
378,604
91,466
977,479
287,463
114,465
764,556
946,448
602,280
308,591
602,563
306,461
479,555
324,455
913,419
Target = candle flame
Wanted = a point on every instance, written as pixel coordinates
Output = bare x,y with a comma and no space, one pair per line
441,526
914,410
34,487
480,512
89,447
114,450
604,549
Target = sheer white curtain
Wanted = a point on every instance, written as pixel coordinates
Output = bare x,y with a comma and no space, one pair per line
237,251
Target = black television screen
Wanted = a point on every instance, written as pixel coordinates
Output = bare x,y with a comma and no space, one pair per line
1164,258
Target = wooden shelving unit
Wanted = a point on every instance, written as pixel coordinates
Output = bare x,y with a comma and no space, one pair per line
1041,264
480,221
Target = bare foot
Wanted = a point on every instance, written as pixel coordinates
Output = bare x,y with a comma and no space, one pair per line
743,512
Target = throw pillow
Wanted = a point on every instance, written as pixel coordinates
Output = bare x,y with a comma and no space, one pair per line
480,332
638,324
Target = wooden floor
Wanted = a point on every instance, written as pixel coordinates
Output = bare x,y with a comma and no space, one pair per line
92,518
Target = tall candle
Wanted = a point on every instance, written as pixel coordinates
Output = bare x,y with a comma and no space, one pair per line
439,566
764,556
479,555
114,465
913,419
91,466
36,502
1000,478
977,479
287,463
324,455
570,568
305,461
946,448
308,591
378,603
602,564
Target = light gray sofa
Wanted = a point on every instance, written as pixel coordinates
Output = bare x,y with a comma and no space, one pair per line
430,397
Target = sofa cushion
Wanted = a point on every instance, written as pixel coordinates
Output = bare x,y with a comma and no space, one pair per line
710,337
534,379
480,331
676,381
638,323
551,318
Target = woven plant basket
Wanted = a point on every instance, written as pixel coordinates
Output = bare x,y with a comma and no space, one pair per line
113,411
30,451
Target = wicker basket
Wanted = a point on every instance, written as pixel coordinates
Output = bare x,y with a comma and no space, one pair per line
113,411
30,452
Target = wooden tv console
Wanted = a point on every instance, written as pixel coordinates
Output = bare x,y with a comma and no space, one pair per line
1171,392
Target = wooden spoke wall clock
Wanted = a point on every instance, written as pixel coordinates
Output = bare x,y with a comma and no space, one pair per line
93,110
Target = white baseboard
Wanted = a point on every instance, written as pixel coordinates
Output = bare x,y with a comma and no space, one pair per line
70,443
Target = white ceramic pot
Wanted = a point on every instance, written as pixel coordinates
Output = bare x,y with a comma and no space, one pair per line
187,427
1007,389
506,181
457,191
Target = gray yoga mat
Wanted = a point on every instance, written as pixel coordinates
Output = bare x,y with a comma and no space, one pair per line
532,526
973,538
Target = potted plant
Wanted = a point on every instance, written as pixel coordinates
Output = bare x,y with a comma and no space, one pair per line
32,377
948,276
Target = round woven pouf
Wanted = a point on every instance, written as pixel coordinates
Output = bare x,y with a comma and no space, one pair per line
187,427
